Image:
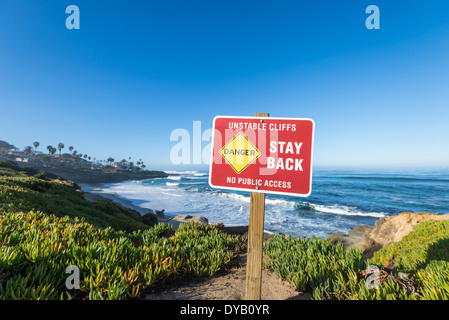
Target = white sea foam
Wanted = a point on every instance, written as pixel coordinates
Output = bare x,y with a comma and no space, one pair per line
347,211
285,204
193,178
200,174
234,196
281,203
172,194
286,215
172,183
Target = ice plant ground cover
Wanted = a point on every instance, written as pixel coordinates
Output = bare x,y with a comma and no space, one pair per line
417,267
38,242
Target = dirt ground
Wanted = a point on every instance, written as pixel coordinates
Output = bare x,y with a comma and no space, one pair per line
226,285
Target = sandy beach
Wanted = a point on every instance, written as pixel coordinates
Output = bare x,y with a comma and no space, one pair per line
95,192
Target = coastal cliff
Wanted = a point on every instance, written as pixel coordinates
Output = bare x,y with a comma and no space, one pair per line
101,175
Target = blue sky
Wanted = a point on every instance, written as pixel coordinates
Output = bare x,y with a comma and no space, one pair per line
137,70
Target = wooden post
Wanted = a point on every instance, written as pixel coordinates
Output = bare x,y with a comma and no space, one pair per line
255,242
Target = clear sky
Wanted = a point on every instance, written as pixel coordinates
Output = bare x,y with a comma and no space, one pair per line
137,70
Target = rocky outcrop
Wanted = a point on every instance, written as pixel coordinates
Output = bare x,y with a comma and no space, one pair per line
177,220
386,231
185,218
356,238
393,229
159,213
149,219
243,230
99,175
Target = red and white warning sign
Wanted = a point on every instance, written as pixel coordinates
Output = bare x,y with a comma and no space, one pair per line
262,154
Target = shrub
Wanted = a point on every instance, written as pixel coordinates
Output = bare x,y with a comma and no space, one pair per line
149,219
21,192
46,226
420,261
9,165
36,249
424,253
315,265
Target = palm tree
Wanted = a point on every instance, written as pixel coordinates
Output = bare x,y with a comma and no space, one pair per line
49,148
36,144
71,148
53,150
27,149
60,147
110,160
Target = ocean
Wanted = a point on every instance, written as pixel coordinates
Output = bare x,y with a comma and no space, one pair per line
340,199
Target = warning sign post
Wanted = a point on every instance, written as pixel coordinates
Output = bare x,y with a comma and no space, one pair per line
261,155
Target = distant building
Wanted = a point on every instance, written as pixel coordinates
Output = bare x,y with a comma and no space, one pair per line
17,153
122,165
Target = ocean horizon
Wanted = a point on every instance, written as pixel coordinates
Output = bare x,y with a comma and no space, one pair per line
340,199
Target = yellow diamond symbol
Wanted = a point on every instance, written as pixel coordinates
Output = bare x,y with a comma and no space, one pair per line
239,153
